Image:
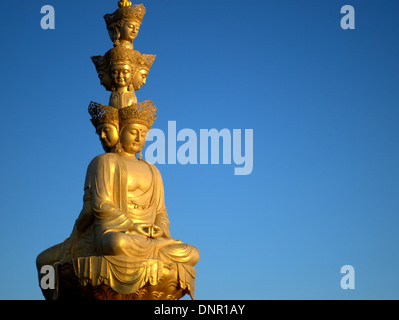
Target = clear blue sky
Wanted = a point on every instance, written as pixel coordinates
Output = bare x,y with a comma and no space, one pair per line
323,104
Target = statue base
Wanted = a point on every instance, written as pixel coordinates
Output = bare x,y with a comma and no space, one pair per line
120,278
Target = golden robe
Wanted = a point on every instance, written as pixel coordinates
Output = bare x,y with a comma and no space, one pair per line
107,249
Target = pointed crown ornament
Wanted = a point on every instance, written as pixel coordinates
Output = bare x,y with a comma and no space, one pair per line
126,12
99,62
146,61
141,113
103,114
124,3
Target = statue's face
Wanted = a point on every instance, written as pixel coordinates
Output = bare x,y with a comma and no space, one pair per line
121,75
108,135
140,78
105,79
133,137
129,30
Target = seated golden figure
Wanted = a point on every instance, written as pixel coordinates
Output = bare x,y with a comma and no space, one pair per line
121,240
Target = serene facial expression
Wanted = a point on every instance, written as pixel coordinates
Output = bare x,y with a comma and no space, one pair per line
108,135
140,78
105,80
121,75
130,30
133,137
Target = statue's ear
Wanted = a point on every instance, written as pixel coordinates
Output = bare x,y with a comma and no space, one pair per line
118,147
114,34
135,70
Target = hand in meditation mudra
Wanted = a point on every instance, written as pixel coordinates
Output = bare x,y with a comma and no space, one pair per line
121,246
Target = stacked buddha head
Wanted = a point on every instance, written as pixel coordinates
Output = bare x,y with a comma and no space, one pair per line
124,24
106,122
118,59
135,123
143,66
122,66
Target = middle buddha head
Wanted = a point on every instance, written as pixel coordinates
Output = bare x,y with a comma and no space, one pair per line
143,66
123,69
121,66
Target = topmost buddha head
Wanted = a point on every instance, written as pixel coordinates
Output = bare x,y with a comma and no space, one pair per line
123,25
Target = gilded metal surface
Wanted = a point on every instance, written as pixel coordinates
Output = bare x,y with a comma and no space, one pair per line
121,246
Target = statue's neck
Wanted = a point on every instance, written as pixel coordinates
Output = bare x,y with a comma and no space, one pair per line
130,156
121,89
122,99
126,44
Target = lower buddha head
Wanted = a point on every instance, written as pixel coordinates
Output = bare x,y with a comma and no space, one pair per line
105,120
135,122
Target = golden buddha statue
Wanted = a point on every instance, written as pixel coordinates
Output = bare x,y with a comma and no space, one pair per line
124,24
120,246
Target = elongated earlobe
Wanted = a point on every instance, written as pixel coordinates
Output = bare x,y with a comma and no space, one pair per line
118,148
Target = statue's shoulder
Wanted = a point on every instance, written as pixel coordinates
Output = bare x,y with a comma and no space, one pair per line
104,159
151,165
154,168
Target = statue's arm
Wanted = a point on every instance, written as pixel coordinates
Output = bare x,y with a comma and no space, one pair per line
103,179
86,216
162,219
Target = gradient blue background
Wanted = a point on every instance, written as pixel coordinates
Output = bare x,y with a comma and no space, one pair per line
323,104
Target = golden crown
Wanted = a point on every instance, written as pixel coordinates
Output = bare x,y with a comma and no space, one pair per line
121,54
126,12
141,113
103,114
146,60
99,62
